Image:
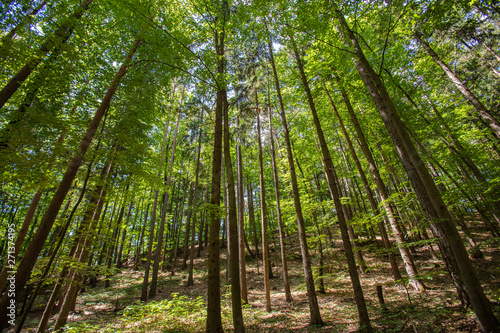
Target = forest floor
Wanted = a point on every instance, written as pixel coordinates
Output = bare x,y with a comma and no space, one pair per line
178,308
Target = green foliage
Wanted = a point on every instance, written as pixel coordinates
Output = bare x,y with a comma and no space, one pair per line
179,314
176,61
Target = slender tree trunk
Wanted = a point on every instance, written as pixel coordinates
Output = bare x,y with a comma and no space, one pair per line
233,228
263,216
306,260
383,233
251,218
124,234
225,224
89,223
114,240
320,279
346,192
286,283
190,281
42,326
241,221
456,148
364,320
381,189
202,225
178,229
188,226
23,230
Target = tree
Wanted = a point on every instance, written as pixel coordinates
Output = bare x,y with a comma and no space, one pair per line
306,260
364,320
214,321
263,214
425,188
26,265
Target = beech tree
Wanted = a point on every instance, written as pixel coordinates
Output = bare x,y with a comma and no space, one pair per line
385,152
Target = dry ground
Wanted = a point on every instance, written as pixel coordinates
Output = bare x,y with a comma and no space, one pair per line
178,308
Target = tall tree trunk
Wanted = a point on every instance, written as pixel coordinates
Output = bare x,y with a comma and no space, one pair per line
225,224
241,220
188,226
190,281
306,260
263,215
214,319
57,288
364,320
26,265
251,219
124,234
456,148
428,195
113,244
233,228
286,283
178,228
89,223
202,224
345,191
383,233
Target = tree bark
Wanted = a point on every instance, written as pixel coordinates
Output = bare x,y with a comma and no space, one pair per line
202,224
42,326
178,224
381,189
124,234
233,228
214,319
251,218
263,215
286,283
22,232
190,281
89,223
241,221
383,233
